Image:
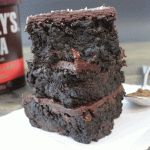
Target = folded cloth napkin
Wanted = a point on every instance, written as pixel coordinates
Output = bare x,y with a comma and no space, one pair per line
131,132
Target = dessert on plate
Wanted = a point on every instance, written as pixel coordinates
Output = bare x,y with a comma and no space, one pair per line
75,73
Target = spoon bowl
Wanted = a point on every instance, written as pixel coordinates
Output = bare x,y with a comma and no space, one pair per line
142,101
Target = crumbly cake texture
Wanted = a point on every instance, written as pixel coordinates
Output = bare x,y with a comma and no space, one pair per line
72,89
75,73
84,124
74,53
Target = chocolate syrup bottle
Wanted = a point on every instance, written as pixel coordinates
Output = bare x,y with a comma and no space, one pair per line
11,58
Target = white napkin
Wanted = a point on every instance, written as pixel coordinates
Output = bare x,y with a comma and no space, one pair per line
131,132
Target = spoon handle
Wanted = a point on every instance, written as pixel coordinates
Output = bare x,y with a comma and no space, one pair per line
146,73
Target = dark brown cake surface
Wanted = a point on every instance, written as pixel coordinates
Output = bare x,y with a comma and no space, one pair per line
84,124
77,57
94,37
73,89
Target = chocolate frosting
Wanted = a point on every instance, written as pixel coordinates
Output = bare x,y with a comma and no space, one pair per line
58,16
78,65
58,108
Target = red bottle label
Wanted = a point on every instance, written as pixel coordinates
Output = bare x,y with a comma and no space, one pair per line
11,70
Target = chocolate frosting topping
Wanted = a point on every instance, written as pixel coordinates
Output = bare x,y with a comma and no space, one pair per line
58,108
78,65
66,15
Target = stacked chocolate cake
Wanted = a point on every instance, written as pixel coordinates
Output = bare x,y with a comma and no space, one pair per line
75,73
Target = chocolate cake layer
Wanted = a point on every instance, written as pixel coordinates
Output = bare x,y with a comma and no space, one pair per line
91,32
73,86
86,123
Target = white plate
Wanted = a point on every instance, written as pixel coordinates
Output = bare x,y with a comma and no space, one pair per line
143,143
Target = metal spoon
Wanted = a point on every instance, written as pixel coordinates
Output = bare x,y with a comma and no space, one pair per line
140,100
146,71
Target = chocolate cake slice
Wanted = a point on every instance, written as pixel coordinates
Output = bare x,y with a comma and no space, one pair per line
75,73
84,124
77,58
